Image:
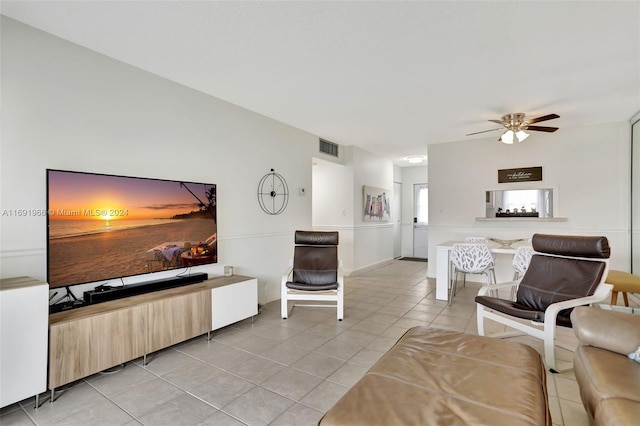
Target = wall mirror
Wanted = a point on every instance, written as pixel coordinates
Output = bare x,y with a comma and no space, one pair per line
520,203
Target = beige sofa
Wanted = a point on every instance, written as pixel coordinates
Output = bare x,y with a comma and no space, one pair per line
609,381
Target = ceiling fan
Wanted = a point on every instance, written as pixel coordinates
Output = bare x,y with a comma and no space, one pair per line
515,125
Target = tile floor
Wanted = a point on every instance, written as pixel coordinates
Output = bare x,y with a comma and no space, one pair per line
269,371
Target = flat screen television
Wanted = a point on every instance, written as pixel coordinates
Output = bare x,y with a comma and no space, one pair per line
102,227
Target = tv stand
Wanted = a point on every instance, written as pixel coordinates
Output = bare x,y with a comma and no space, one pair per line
93,338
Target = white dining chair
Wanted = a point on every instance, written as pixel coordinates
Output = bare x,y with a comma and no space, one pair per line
473,240
470,258
520,263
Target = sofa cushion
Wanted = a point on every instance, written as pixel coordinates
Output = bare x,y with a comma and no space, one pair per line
603,375
617,412
614,331
441,377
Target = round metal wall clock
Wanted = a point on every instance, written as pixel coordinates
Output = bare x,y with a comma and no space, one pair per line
273,193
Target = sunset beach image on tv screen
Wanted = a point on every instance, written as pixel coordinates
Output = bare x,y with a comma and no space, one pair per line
103,226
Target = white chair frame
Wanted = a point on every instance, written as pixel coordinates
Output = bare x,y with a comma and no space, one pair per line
548,331
287,294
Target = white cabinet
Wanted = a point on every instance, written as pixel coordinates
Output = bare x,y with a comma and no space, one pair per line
234,301
24,316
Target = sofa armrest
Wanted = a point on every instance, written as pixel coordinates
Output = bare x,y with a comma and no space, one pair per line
614,331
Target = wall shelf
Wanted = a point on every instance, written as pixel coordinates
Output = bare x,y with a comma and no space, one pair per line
521,219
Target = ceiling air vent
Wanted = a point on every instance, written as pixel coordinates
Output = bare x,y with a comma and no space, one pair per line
329,148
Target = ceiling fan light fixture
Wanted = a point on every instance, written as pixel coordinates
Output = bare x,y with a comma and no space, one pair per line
507,137
415,159
515,124
521,135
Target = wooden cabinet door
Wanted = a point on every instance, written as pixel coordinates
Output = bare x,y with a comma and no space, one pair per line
86,346
179,318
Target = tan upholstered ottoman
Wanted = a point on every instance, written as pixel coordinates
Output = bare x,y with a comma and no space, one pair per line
440,377
623,282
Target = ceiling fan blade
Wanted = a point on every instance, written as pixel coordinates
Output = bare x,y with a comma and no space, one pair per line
543,118
497,121
484,131
542,128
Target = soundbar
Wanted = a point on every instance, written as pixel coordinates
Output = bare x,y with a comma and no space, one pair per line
104,293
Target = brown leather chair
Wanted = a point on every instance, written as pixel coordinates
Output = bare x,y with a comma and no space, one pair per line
315,273
565,272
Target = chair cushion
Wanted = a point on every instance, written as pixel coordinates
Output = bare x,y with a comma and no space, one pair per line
315,265
316,238
312,287
518,310
510,308
571,245
552,279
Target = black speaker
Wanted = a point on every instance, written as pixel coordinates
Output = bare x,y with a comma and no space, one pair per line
105,293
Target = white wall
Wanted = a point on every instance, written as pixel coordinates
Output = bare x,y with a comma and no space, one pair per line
66,107
373,241
338,204
333,205
332,194
588,168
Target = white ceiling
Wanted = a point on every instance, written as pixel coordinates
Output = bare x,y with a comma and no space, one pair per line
389,77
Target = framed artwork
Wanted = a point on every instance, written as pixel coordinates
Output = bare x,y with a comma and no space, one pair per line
376,206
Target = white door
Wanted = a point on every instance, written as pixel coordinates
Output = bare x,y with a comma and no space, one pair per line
396,214
420,220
